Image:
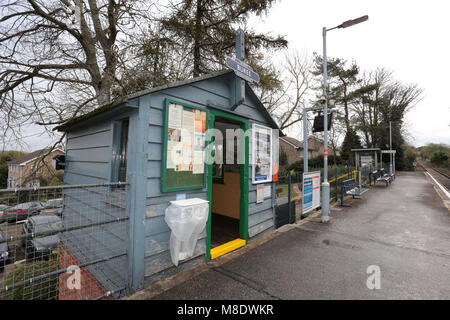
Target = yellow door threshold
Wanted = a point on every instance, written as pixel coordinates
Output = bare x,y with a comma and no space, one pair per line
227,247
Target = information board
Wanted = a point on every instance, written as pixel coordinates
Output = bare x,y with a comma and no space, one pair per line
183,165
311,191
366,160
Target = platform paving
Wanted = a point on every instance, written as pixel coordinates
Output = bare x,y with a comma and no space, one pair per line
403,229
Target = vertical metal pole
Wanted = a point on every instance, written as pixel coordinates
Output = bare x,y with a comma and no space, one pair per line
376,160
390,147
325,185
305,141
393,162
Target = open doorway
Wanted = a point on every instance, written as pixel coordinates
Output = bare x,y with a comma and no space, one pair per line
226,186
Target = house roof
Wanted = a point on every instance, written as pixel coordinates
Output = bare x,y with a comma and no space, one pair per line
297,143
123,100
293,142
31,156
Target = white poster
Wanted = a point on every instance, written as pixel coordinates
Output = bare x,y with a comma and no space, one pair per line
198,165
267,191
262,154
260,194
175,115
311,191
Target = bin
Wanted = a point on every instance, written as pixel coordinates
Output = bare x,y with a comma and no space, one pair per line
186,220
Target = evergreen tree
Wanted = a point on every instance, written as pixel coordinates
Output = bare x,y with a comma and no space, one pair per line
341,80
351,141
205,30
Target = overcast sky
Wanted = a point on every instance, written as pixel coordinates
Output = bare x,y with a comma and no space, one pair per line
411,38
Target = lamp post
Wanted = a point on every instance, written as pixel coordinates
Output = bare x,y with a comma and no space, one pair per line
325,184
390,147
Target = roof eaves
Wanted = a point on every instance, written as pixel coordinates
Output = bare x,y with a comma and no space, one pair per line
124,100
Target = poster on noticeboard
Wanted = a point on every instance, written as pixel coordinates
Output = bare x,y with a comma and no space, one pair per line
261,154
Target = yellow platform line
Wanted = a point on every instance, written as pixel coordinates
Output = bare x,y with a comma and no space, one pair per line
227,247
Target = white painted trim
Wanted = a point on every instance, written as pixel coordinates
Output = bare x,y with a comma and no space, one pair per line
444,190
295,147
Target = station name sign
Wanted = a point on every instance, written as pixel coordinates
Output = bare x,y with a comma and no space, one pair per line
389,151
242,70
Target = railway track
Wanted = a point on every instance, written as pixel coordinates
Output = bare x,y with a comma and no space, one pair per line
438,174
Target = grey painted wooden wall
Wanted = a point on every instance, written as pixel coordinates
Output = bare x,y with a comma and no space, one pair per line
89,154
213,92
88,161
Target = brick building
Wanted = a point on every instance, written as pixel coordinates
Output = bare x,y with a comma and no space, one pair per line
26,171
294,148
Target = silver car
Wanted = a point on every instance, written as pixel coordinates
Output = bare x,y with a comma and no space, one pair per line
37,244
54,206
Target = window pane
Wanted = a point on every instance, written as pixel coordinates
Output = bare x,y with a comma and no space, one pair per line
123,152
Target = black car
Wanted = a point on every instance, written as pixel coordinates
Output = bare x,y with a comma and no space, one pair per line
21,211
4,253
37,244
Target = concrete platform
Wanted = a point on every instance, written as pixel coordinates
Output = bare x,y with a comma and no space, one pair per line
403,229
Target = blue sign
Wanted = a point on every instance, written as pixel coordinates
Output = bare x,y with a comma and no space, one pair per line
311,191
242,70
307,193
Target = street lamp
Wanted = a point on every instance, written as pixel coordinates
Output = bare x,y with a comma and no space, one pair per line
325,184
391,163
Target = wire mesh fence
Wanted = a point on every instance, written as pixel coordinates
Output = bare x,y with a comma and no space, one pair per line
63,242
289,189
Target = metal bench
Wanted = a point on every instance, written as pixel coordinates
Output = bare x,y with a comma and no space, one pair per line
385,174
378,177
350,187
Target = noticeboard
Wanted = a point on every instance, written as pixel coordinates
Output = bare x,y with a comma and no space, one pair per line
311,191
183,162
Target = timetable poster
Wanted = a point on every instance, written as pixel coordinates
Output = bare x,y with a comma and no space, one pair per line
186,139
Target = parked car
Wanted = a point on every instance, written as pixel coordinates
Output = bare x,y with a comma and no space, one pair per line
4,253
53,206
21,211
36,244
3,207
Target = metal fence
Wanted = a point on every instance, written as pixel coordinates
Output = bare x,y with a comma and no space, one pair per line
289,189
64,242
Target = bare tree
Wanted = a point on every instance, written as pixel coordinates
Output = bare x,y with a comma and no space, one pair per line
381,99
60,58
285,104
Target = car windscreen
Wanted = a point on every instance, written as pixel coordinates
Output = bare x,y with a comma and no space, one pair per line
53,203
21,206
49,226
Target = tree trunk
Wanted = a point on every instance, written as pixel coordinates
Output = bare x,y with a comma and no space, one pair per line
197,39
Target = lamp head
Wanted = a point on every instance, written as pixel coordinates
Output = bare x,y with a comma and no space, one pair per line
352,22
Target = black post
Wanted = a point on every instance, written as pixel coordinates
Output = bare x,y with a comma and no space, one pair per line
336,182
289,196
